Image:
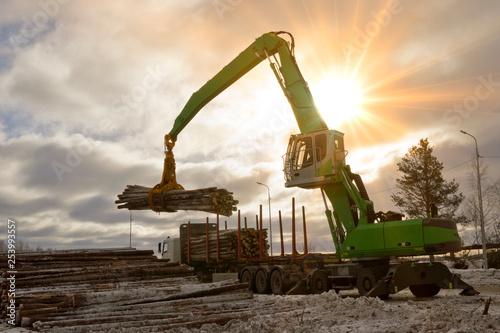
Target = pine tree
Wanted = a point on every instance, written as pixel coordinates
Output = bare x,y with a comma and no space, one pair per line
422,185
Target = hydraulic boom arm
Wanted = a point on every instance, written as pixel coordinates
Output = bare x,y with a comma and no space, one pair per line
289,77
287,72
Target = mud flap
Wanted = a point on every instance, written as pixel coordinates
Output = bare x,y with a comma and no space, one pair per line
402,276
299,289
468,290
380,289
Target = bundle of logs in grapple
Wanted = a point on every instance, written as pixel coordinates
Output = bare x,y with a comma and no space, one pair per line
228,245
210,200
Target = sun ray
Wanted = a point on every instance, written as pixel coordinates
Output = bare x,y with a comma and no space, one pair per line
356,11
364,53
418,67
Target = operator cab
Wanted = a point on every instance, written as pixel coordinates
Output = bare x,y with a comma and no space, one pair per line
312,158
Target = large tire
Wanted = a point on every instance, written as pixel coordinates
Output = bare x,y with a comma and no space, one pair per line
262,282
424,290
318,282
365,281
277,282
246,277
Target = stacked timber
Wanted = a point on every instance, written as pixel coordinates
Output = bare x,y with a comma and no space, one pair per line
159,305
210,200
51,281
250,242
178,309
228,245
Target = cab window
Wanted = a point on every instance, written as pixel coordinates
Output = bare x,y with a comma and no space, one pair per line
320,142
302,155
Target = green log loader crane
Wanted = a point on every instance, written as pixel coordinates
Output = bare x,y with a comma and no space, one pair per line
366,245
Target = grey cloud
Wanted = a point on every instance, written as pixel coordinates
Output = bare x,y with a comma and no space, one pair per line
96,208
14,207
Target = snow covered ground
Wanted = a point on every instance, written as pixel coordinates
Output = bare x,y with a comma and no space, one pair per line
347,312
402,312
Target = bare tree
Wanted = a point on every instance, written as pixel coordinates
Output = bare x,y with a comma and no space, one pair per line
491,206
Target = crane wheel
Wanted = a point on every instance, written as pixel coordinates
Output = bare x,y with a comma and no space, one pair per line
365,281
262,282
277,282
424,290
246,277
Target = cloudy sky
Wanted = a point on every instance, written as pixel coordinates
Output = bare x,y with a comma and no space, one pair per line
89,88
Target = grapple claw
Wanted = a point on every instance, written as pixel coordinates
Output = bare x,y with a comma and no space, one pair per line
168,180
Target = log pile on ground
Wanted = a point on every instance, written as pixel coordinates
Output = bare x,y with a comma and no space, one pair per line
228,245
210,200
184,306
49,282
121,290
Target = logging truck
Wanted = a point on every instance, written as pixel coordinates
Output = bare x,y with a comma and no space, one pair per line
241,253
367,244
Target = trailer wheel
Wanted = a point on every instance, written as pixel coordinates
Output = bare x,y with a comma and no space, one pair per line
262,282
424,290
318,282
365,281
246,277
204,277
277,283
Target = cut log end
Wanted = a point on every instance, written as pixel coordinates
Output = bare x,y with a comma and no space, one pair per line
210,200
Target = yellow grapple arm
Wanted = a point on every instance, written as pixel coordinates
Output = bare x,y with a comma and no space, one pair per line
168,180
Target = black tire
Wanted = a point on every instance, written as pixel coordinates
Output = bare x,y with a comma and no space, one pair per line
204,277
262,282
424,290
384,297
318,282
246,277
365,281
277,283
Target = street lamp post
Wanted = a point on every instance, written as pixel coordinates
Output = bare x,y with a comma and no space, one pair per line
270,225
481,215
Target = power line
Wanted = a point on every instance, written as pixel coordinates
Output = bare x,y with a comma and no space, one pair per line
453,167
389,189
456,166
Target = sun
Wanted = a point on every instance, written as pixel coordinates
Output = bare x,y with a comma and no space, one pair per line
339,99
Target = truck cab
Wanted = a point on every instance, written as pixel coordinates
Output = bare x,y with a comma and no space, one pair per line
170,249
175,248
